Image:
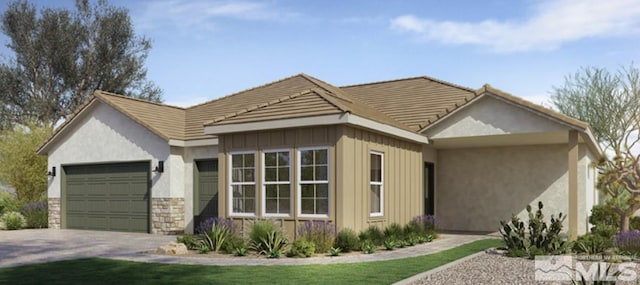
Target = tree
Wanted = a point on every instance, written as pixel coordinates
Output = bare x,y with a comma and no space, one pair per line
610,103
20,166
60,57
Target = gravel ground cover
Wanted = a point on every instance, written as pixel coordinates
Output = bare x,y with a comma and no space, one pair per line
494,268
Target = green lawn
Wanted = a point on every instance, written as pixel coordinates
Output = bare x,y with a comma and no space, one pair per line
105,271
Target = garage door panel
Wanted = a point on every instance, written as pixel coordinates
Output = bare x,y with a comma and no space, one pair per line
108,197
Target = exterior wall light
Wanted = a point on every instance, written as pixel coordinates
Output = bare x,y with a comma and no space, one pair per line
160,167
52,173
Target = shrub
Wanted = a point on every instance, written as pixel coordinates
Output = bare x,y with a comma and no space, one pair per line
541,239
272,245
372,234
36,214
423,225
214,238
335,251
240,251
259,230
368,247
347,240
205,226
389,244
302,248
9,202
13,220
591,243
394,231
191,241
605,221
267,238
232,243
629,242
322,234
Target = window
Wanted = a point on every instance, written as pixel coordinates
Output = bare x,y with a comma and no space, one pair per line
243,184
377,184
277,183
314,182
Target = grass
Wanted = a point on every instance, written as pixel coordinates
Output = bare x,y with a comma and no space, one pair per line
105,271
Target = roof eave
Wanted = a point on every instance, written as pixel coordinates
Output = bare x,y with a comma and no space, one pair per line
332,119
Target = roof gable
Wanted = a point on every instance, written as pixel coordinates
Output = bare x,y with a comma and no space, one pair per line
491,116
165,121
199,114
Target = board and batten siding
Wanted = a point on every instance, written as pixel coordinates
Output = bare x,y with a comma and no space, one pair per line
402,179
291,139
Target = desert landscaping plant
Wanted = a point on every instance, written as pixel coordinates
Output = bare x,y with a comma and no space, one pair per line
36,214
302,248
13,220
214,232
335,251
372,234
267,238
321,233
537,238
347,240
628,242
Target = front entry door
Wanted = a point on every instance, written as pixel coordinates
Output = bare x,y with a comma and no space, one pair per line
428,188
206,190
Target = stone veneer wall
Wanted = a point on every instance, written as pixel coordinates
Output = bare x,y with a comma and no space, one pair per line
54,213
167,216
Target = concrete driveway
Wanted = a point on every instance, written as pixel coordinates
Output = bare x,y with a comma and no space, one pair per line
45,245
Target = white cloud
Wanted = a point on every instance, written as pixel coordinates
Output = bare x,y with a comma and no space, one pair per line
550,25
203,14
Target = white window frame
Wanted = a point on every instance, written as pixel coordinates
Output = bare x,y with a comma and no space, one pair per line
231,183
299,184
381,184
265,183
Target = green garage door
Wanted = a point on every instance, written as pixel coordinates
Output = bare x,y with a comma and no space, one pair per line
112,197
206,190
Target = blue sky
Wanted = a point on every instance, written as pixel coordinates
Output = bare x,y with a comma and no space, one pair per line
206,49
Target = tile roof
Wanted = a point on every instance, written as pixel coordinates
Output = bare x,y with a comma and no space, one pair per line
415,102
409,104
165,121
313,102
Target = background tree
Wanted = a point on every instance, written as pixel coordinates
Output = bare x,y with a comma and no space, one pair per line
20,166
60,57
610,103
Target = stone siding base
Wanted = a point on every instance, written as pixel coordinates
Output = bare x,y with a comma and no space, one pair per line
167,216
54,213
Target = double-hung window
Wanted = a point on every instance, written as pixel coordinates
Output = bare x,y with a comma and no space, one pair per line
376,183
243,184
277,183
314,182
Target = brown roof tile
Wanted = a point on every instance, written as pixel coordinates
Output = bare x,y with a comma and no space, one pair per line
415,102
165,121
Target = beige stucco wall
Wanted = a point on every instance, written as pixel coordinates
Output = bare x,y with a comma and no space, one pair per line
402,179
478,187
104,135
491,116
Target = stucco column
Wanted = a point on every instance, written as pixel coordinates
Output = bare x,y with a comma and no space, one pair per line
573,184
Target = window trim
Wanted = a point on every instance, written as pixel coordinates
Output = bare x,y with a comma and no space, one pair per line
381,184
231,183
299,182
264,183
